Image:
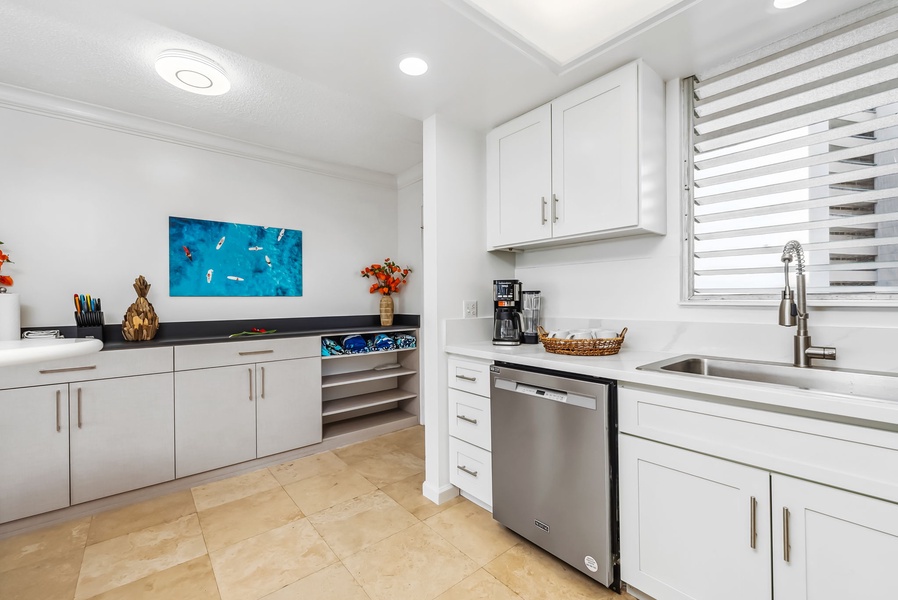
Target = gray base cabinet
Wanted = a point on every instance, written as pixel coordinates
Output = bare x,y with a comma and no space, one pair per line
34,451
121,433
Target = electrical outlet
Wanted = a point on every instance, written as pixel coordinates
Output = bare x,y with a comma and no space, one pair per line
470,309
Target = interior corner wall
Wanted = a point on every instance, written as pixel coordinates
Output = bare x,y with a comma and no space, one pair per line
639,278
85,209
410,221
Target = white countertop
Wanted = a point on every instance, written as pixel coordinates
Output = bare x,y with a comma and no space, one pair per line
622,367
21,352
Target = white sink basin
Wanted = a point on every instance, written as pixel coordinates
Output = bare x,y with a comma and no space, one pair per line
23,352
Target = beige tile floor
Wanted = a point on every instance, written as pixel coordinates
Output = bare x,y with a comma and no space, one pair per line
349,524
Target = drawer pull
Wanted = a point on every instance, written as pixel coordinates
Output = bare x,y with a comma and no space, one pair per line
58,423
466,470
79,408
252,352
468,419
753,526
66,370
466,378
786,548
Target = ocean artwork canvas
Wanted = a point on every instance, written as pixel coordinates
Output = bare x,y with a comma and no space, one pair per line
213,258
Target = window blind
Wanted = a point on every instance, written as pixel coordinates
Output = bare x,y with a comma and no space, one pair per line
798,140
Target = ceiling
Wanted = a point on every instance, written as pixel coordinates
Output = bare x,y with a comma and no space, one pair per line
318,79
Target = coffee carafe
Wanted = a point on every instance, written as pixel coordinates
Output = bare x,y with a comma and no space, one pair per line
507,321
530,301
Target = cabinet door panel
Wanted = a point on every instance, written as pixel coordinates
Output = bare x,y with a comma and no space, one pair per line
122,435
34,451
215,418
595,168
520,179
288,409
686,524
842,545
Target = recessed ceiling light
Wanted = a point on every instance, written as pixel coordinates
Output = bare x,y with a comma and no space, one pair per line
787,3
413,65
192,72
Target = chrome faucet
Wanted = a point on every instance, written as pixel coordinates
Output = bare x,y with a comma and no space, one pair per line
792,312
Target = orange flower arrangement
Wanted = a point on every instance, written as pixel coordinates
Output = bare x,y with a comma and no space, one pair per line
4,258
388,277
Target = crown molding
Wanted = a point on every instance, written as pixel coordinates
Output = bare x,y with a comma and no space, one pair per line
410,176
48,105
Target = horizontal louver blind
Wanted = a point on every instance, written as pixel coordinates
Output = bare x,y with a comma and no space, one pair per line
799,141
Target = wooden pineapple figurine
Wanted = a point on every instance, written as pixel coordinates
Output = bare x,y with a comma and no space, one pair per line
141,322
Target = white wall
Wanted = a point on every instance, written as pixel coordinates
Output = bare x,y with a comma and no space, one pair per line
639,278
410,221
85,209
457,268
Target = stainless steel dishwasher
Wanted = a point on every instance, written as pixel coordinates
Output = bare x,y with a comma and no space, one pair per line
554,457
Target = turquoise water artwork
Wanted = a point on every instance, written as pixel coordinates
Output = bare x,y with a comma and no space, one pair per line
212,258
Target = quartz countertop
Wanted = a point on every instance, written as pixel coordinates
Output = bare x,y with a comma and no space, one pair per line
622,367
21,352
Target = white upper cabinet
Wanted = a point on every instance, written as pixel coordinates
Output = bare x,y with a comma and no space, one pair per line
589,165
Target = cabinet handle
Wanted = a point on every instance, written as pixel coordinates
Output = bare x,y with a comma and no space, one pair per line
469,472
250,353
263,382
250,371
554,208
58,423
79,408
466,378
543,207
468,419
66,370
754,524
785,534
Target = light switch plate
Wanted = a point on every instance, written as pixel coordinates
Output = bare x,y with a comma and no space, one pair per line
470,309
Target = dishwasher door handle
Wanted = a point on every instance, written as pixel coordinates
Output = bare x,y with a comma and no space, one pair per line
555,395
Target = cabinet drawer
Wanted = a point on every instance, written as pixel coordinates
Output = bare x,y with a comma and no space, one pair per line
471,469
469,418
100,365
244,352
469,376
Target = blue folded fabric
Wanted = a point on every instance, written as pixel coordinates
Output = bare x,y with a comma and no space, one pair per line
355,344
330,348
383,342
405,340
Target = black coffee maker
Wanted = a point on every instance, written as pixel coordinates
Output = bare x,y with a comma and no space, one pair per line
507,319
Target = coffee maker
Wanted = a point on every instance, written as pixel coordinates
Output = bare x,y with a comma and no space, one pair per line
507,321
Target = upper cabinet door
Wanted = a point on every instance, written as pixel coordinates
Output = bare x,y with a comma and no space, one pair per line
595,172
519,180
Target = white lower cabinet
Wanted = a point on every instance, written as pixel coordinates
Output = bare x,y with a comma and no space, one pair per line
840,544
692,526
470,441
34,451
227,415
701,528
121,433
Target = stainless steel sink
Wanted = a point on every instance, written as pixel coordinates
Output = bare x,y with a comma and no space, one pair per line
869,384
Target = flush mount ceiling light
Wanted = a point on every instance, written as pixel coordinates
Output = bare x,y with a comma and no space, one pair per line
787,3
413,65
192,72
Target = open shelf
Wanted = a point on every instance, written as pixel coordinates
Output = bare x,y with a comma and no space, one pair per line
374,353
361,376
353,403
375,424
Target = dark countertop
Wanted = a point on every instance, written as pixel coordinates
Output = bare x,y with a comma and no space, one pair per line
204,332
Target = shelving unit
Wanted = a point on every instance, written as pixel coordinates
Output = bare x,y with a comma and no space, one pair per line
356,396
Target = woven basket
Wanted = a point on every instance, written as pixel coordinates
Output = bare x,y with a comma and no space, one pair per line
593,347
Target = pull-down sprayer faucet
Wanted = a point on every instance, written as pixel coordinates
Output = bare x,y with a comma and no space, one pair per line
792,312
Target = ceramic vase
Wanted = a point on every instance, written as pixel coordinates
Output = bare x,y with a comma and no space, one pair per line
386,311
